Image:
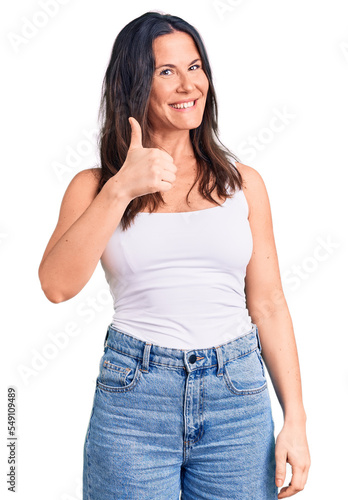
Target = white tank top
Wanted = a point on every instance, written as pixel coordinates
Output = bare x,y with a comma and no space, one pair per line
177,279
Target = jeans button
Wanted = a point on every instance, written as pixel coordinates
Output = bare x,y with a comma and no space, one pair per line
192,358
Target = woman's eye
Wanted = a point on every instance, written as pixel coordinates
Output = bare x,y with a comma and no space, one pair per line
163,72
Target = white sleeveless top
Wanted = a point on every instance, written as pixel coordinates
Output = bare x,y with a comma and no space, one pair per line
177,279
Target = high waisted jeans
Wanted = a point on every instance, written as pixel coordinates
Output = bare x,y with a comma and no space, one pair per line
167,420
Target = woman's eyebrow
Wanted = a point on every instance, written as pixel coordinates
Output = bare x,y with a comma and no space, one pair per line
173,65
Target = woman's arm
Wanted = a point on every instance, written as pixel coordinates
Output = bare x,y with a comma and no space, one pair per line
268,309
87,219
86,223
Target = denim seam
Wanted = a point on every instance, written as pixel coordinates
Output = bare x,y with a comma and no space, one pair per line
124,353
130,387
242,392
261,363
178,367
111,366
87,451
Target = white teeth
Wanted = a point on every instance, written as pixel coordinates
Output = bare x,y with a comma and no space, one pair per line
183,105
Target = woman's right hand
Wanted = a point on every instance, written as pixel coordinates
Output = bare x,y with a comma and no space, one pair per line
146,170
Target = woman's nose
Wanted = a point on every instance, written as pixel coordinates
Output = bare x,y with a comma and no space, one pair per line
186,84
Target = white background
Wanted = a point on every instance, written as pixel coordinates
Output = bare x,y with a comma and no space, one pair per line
269,58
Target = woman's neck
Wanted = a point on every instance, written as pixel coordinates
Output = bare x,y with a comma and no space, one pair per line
177,144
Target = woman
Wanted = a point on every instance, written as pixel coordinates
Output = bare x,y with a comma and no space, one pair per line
181,399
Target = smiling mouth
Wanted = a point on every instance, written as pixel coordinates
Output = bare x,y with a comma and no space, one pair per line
184,105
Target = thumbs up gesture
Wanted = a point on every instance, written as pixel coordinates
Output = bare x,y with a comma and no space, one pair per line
146,170
136,134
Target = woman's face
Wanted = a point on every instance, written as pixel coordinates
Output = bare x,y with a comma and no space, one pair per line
178,78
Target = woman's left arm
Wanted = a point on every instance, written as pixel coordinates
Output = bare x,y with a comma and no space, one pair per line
268,309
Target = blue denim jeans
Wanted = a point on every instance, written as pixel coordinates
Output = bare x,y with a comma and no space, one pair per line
165,421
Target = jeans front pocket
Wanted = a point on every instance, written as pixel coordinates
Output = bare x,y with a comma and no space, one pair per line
245,374
118,372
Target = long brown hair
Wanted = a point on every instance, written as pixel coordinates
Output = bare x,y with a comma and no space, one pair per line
125,92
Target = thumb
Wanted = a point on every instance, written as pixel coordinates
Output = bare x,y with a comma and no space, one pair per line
136,134
280,471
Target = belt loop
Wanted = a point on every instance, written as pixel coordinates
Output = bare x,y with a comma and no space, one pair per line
106,336
146,357
258,338
220,361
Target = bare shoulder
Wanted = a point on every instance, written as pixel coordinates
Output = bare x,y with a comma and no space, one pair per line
253,187
89,176
82,190
84,185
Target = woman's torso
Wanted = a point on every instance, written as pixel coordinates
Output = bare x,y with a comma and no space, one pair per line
177,275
